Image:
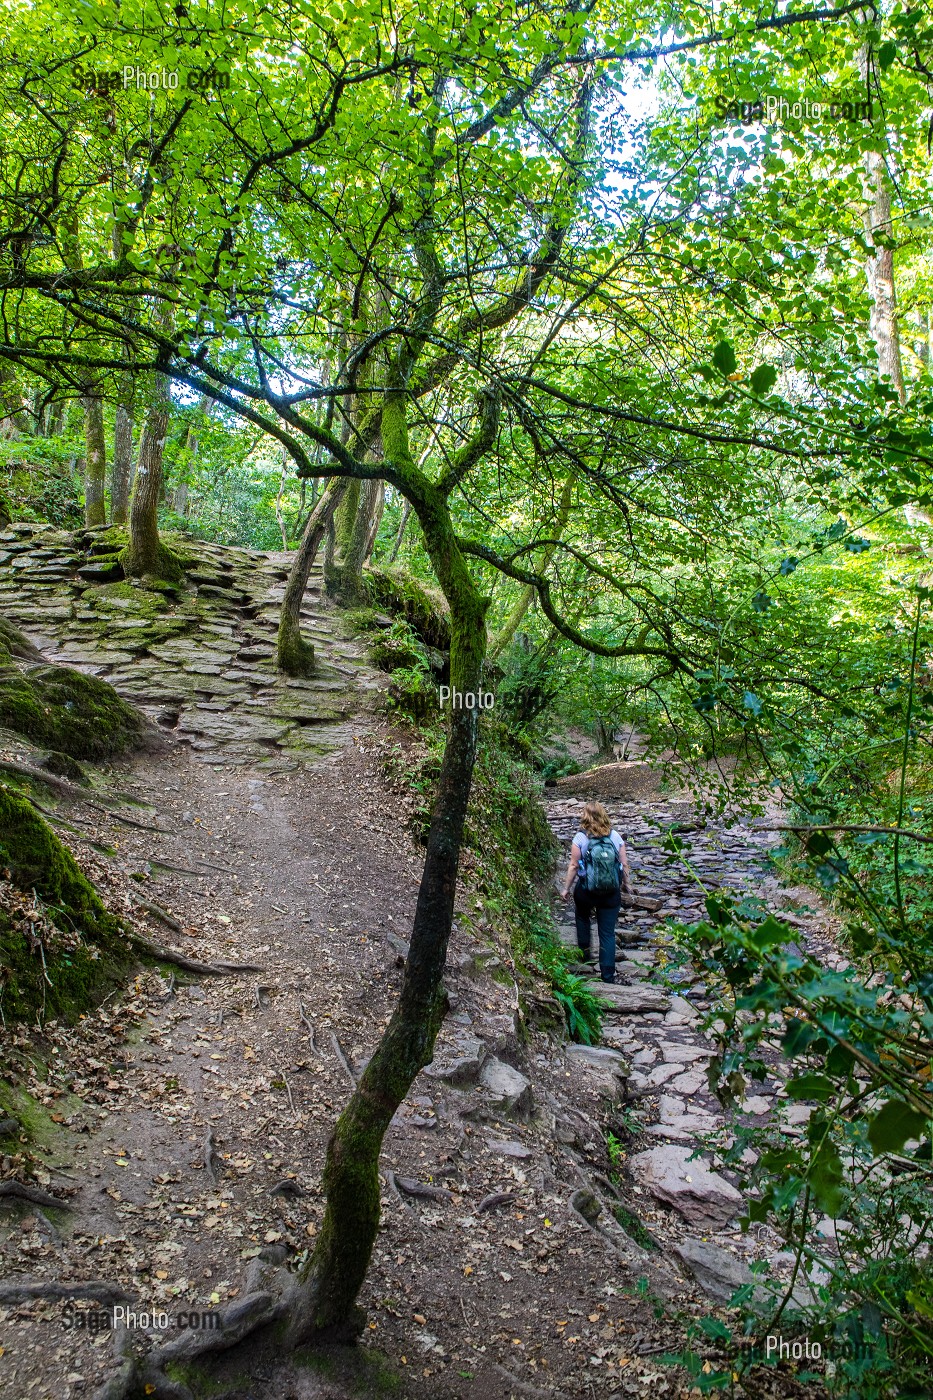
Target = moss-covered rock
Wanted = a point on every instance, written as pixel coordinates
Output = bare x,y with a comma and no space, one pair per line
62,956
424,608
16,643
65,710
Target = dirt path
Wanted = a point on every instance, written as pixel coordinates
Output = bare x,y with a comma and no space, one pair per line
187,1120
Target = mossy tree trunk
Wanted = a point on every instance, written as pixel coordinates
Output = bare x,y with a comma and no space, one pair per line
121,472
95,461
294,655
337,1268
145,554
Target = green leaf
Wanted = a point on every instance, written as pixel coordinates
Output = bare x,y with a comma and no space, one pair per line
826,1177
724,358
811,1086
763,379
788,565
893,1125
769,934
887,54
762,602
751,702
856,545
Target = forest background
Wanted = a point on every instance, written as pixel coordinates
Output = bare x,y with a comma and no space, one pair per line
634,379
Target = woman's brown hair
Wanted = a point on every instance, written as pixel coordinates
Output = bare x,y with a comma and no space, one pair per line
595,820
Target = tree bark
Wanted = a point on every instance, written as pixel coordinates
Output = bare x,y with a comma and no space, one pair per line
403,526
294,655
14,420
95,461
880,268
122,468
337,1268
146,555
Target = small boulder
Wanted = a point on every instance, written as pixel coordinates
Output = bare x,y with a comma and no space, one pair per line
509,1090
459,1063
717,1272
701,1196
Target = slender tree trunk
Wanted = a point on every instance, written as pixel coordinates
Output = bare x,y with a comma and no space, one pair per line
513,621
376,521
403,526
880,268
14,420
294,655
122,468
57,418
146,555
337,1268
95,461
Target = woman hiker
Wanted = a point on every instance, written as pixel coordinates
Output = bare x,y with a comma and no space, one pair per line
599,865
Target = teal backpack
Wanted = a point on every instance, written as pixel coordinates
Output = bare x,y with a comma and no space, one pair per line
601,866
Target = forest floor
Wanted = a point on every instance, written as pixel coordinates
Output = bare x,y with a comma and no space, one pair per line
185,1123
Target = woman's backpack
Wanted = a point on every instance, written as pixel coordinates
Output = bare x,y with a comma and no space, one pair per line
601,866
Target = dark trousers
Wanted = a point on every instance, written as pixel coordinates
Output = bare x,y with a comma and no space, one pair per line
606,908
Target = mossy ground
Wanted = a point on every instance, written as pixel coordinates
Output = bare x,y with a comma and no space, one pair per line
62,709
72,954
422,607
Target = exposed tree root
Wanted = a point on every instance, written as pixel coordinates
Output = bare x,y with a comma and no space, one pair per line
494,1200
156,950
20,1191
420,1188
273,1296
72,793
163,916
22,1290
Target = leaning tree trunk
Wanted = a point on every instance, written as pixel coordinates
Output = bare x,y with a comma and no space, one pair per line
146,554
95,461
526,597
337,1268
294,655
121,470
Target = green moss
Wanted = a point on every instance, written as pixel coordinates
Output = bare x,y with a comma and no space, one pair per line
14,642
62,709
424,608
164,571
128,596
57,978
6,514
293,654
34,1118
64,766
110,541
390,653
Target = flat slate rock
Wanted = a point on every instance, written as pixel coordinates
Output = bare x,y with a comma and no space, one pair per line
703,1197
625,999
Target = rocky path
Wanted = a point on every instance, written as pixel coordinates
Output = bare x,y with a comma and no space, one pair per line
185,1123
199,659
658,1032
